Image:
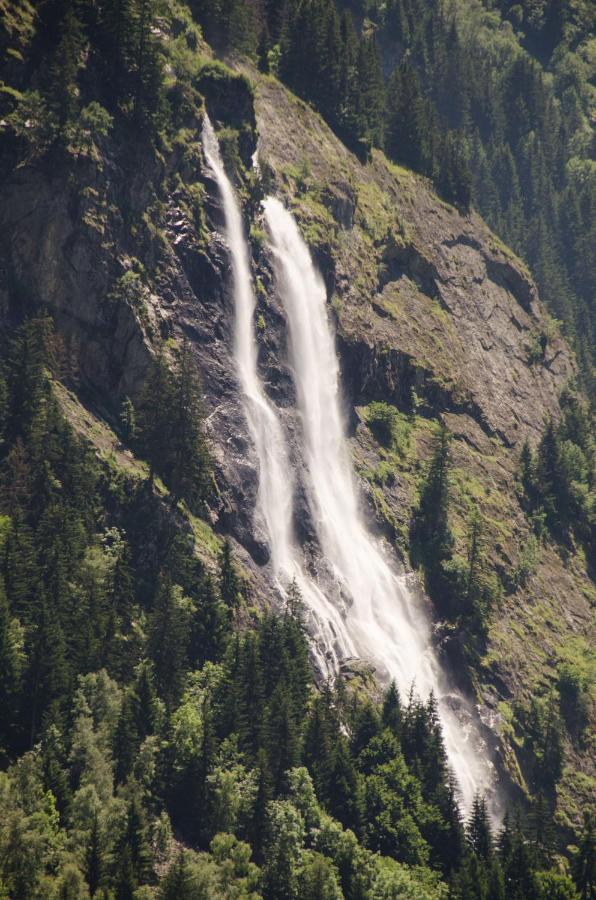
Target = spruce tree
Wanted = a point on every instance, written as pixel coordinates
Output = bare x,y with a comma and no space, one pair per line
10,669
479,830
392,711
189,466
177,883
94,867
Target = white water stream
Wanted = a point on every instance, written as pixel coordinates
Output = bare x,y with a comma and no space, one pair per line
369,611
384,619
276,482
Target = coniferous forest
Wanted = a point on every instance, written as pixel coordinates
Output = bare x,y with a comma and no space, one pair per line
164,731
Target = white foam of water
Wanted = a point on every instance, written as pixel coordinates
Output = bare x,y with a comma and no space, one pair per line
385,621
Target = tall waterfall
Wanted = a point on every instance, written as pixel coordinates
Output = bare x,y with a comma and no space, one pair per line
384,620
276,484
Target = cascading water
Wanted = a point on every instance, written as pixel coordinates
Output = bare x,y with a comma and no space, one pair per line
384,621
275,497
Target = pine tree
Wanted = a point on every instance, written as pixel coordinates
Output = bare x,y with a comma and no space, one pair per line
145,703
55,771
4,403
189,466
371,100
283,748
258,824
117,34
135,851
149,85
318,743
345,788
168,638
177,884
229,581
94,857
64,68
409,138
126,740
542,832
154,415
479,830
126,882
127,419
209,626
454,179
584,865
431,530
10,669
392,711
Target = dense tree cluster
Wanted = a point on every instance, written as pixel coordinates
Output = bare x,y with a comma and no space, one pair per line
463,587
166,426
151,748
557,479
72,581
112,46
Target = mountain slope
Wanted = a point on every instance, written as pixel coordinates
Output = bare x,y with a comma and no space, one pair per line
429,302
116,235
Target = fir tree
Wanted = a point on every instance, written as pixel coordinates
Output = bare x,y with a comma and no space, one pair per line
94,857
479,830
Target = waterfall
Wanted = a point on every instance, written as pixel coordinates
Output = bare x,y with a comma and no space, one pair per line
276,483
384,621
366,609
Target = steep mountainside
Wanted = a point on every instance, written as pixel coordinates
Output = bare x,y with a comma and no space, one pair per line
453,376
434,316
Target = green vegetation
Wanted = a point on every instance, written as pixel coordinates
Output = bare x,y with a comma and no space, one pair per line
158,738
557,480
133,709
464,588
391,428
168,427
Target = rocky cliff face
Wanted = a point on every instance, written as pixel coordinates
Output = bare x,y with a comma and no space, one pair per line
432,313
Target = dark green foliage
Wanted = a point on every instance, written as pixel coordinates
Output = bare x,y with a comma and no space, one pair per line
558,479
88,56
463,588
213,747
134,852
479,830
542,728
431,527
409,129
64,66
229,581
168,636
177,883
169,431
10,669
584,864
343,77
95,863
